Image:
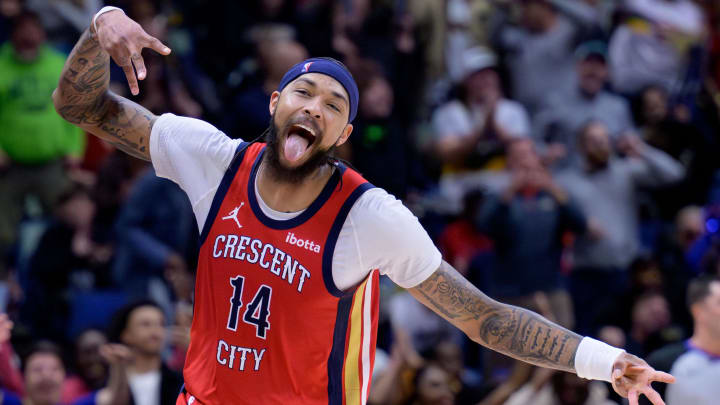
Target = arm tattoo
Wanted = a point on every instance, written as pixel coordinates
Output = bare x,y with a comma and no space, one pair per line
516,332
82,98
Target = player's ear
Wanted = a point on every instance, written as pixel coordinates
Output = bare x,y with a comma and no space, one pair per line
345,135
274,98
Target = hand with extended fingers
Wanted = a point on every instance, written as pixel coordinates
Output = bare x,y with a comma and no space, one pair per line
632,376
124,40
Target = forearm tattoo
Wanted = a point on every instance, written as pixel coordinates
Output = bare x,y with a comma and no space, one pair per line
516,332
82,98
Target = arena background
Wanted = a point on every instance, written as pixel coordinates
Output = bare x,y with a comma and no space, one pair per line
561,153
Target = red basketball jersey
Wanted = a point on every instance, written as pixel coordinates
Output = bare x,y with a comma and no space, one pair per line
270,326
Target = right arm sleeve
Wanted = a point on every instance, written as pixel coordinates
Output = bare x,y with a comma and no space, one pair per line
193,154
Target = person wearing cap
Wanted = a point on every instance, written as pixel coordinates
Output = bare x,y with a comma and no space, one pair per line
567,111
293,241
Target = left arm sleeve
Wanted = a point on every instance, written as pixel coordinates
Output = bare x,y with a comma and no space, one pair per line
655,168
390,238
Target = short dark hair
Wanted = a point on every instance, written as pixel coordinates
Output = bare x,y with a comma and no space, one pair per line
120,320
699,288
43,347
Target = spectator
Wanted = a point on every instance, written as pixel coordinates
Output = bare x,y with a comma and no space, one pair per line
562,389
66,259
91,370
694,362
431,386
35,143
380,141
651,45
605,187
64,20
141,326
532,204
477,124
569,109
668,128
155,242
539,52
276,53
44,371
464,383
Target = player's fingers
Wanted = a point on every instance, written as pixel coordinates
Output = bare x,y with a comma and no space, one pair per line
633,397
662,377
130,75
653,396
155,44
139,63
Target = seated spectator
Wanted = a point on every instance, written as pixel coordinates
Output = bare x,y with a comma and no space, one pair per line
539,51
567,110
605,187
44,372
651,45
155,242
36,144
66,259
141,327
694,362
431,386
475,126
464,383
562,389
91,371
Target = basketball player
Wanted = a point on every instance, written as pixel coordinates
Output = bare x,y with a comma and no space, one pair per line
292,241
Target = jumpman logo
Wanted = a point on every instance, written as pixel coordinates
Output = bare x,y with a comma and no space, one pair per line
233,214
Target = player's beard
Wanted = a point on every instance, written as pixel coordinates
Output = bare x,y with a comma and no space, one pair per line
294,175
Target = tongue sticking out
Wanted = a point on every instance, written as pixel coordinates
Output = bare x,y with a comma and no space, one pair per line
295,146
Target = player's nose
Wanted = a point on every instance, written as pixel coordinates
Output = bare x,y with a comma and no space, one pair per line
312,108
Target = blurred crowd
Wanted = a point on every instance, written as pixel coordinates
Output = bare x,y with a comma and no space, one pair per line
563,155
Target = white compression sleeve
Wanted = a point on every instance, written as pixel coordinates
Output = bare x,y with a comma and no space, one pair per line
102,11
594,359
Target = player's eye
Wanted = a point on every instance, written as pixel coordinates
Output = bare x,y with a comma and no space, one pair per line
334,107
302,91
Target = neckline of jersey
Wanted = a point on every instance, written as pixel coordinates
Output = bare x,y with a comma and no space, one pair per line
303,216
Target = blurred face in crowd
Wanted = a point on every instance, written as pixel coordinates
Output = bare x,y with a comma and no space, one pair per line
690,226
570,389
651,313
654,105
449,357
522,156
78,211
309,119
44,375
592,74
535,15
89,361
27,37
434,387
595,143
483,86
706,313
277,57
376,99
145,331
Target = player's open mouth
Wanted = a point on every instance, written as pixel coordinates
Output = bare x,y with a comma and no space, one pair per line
299,139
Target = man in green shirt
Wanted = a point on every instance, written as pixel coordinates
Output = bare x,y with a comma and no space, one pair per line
35,143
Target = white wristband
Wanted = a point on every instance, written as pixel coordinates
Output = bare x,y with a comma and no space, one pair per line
594,359
103,10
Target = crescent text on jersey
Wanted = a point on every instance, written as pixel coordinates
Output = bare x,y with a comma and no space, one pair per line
265,255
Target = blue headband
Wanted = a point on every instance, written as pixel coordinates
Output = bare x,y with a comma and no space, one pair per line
326,67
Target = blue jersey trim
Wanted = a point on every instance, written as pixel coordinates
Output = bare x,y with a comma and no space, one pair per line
333,237
298,220
337,354
223,189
